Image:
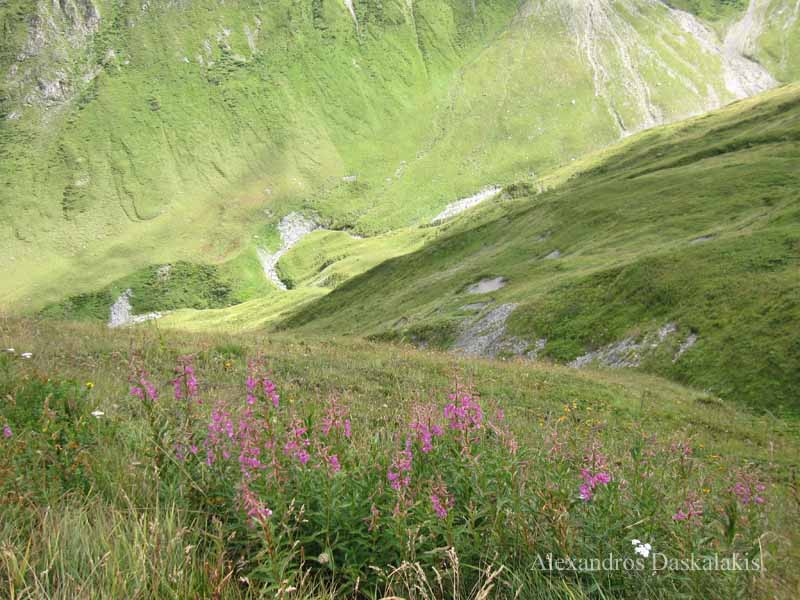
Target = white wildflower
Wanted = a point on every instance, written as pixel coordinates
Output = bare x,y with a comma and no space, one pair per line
97,414
641,549
26,354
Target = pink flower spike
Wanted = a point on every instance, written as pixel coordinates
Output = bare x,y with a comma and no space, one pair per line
333,463
603,478
7,433
586,493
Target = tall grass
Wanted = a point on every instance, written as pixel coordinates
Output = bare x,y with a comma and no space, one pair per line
341,478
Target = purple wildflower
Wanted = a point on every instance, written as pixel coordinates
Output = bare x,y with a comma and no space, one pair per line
297,442
441,500
748,489
399,471
691,511
424,427
7,433
256,511
336,418
463,412
593,474
185,382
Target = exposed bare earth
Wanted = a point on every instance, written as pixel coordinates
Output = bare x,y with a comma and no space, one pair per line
292,228
486,335
460,206
121,312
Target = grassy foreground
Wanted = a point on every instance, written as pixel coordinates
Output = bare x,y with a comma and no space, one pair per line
275,467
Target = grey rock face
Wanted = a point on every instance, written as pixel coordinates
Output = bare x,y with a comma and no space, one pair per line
55,59
460,206
292,228
121,312
627,352
486,336
484,286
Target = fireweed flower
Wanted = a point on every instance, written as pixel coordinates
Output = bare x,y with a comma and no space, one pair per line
502,430
748,489
337,417
593,474
185,382
141,386
692,510
441,500
399,471
256,511
681,448
333,463
270,392
7,433
258,381
424,427
221,434
297,443
463,412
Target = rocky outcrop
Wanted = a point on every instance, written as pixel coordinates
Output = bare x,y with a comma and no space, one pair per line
55,60
292,228
121,312
486,335
458,207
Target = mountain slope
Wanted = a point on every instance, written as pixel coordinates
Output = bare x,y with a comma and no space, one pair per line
147,133
679,251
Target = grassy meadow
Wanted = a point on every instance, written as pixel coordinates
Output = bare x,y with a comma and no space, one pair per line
148,463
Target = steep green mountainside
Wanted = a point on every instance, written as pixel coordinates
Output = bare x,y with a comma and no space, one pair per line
678,252
136,134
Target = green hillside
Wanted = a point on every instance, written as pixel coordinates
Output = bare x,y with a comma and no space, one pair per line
696,225
399,299
143,133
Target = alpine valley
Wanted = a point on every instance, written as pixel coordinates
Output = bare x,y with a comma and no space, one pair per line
451,284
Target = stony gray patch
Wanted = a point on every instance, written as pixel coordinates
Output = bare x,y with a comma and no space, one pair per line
121,312
60,30
685,345
553,255
163,272
292,228
538,346
475,307
486,335
627,352
460,206
484,286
